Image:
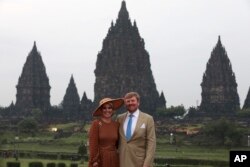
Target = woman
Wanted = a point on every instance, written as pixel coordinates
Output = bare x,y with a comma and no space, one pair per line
103,135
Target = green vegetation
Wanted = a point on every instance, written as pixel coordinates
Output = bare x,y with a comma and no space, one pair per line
170,112
244,113
28,125
66,127
223,132
192,152
71,139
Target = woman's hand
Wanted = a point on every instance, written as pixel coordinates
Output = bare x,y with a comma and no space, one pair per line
95,164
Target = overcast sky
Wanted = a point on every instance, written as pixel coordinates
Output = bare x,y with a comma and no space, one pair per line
179,36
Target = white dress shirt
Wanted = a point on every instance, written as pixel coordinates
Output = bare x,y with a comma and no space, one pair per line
134,121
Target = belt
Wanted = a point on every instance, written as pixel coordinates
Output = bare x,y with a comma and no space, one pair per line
108,148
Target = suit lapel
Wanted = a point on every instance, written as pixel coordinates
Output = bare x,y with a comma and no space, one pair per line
138,124
122,124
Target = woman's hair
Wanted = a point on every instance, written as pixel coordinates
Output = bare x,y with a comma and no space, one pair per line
110,103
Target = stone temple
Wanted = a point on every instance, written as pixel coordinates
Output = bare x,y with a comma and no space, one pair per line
33,89
247,101
71,101
219,87
123,65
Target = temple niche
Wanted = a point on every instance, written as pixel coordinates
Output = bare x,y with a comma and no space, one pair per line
219,88
123,65
33,89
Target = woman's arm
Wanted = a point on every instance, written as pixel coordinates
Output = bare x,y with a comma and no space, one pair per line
94,144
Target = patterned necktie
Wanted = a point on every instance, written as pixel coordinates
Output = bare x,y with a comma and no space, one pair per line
129,127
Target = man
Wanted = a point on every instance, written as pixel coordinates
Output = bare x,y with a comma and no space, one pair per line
137,135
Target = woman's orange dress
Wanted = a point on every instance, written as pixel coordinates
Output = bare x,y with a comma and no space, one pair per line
103,140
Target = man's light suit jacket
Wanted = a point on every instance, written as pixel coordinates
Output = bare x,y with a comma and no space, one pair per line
140,149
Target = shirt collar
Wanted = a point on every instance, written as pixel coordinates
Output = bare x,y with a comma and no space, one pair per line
135,114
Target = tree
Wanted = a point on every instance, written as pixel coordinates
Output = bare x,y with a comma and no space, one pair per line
223,132
82,150
36,113
170,112
244,113
193,111
28,125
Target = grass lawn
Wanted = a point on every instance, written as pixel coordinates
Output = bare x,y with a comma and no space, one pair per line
71,144
192,152
46,146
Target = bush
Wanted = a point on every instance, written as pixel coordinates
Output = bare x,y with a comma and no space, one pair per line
73,157
52,164
35,164
13,164
4,141
223,132
28,125
82,149
199,162
86,158
61,134
47,155
244,113
73,165
170,112
61,165
25,155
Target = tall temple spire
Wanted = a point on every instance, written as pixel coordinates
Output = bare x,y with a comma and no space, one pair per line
84,96
72,79
219,41
71,93
219,46
86,108
247,101
34,47
123,22
71,101
123,64
219,87
33,89
123,13
162,101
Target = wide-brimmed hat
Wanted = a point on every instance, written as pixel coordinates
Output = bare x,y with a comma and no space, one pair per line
116,103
